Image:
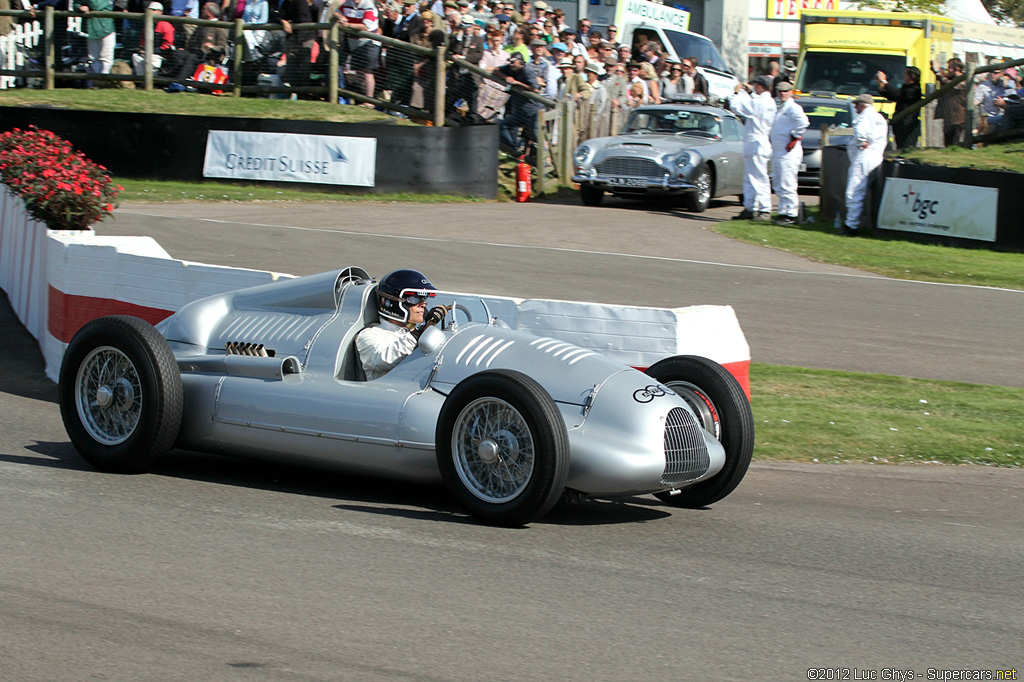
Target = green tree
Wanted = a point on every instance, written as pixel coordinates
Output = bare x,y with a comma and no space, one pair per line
924,6
1011,11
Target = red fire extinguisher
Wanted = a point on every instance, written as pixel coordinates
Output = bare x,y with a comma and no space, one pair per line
524,185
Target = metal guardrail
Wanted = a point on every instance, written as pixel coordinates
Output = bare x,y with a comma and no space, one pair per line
434,110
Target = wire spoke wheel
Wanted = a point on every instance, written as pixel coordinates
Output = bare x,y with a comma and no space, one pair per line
120,394
502,447
699,199
108,395
704,187
722,409
494,450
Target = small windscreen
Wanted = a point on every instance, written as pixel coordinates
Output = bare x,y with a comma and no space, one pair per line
846,74
826,114
672,122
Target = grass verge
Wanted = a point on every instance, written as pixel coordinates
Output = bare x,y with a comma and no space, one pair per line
1008,156
808,415
168,191
192,104
885,255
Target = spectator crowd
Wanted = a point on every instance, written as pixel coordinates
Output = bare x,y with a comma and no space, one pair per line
529,46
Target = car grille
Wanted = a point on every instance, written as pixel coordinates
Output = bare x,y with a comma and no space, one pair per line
631,167
686,454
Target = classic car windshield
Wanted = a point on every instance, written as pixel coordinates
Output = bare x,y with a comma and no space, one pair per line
836,115
474,308
671,122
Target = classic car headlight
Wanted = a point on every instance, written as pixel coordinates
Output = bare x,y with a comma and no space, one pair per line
582,152
686,159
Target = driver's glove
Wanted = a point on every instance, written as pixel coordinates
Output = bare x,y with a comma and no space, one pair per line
434,316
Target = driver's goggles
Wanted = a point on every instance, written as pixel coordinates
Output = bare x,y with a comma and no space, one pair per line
415,297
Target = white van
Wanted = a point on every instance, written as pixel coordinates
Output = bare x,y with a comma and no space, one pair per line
640,20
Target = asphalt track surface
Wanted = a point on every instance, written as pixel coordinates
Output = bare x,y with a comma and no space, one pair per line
215,569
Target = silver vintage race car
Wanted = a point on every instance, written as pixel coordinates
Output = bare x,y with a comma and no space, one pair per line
691,151
509,421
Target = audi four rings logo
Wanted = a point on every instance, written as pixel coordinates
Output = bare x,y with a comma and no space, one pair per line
648,393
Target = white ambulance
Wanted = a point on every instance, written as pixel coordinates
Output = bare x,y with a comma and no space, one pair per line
640,20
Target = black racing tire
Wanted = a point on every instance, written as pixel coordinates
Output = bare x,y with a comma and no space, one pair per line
502,448
590,195
120,394
723,410
698,200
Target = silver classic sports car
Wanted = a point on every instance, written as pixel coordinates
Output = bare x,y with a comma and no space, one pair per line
690,151
508,421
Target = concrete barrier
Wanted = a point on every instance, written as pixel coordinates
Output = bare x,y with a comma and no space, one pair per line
59,280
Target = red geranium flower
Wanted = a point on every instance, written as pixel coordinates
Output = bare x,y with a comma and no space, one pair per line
59,185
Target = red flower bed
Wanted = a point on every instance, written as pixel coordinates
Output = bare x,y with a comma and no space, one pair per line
60,186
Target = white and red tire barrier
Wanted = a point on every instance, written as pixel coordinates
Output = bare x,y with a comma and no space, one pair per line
59,280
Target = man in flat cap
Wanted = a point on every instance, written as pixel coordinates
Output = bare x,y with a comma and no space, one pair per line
787,152
758,111
411,24
543,68
865,150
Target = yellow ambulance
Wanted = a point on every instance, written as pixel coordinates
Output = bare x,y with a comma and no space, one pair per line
842,50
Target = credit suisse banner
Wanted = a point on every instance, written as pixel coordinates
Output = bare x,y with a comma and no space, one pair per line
790,9
284,157
930,207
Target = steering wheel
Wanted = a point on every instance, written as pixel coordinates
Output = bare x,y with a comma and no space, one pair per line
450,318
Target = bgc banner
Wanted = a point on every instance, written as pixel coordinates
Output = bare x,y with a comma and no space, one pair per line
285,157
930,207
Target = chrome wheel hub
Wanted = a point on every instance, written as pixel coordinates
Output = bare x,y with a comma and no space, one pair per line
704,187
487,450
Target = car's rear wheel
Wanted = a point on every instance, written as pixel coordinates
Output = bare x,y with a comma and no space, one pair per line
590,195
502,448
723,410
698,200
120,394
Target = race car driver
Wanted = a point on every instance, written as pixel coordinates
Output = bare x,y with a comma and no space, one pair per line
402,305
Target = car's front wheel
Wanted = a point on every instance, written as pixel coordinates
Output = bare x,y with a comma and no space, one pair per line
698,200
120,394
502,447
723,410
590,195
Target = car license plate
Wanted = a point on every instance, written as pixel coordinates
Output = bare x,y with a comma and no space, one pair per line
628,182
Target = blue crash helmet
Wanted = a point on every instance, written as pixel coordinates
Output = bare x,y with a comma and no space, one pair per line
400,289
